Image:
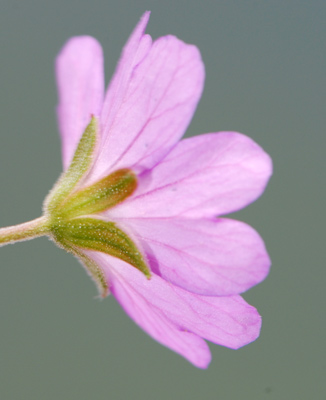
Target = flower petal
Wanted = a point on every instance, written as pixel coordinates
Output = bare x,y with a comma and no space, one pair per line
174,317
202,176
209,257
80,80
149,103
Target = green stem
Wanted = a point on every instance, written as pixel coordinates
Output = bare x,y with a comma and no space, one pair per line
28,230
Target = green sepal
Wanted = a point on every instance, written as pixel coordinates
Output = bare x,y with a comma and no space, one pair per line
81,162
95,234
91,267
104,194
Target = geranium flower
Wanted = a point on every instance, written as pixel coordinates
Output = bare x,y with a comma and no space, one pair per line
142,209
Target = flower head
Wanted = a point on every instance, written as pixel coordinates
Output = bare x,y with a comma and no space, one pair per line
141,209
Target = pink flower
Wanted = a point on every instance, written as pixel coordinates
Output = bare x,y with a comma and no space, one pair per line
198,263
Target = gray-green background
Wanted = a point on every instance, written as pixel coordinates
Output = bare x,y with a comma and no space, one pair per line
265,64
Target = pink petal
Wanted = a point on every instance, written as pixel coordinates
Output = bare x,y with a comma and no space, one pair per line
80,79
149,103
174,317
208,257
202,176
136,48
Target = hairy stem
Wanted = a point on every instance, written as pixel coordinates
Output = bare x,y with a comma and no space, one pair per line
28,230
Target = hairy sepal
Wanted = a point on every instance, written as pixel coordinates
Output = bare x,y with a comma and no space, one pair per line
80,164
92,268
102,195
98,235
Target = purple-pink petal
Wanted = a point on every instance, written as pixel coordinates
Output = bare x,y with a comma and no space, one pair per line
202,176
175,317
136,48
80,80
209,257
149,104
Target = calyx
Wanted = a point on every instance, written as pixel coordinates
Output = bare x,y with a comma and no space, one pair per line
73,211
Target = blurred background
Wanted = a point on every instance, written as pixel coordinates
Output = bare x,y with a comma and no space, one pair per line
265,65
